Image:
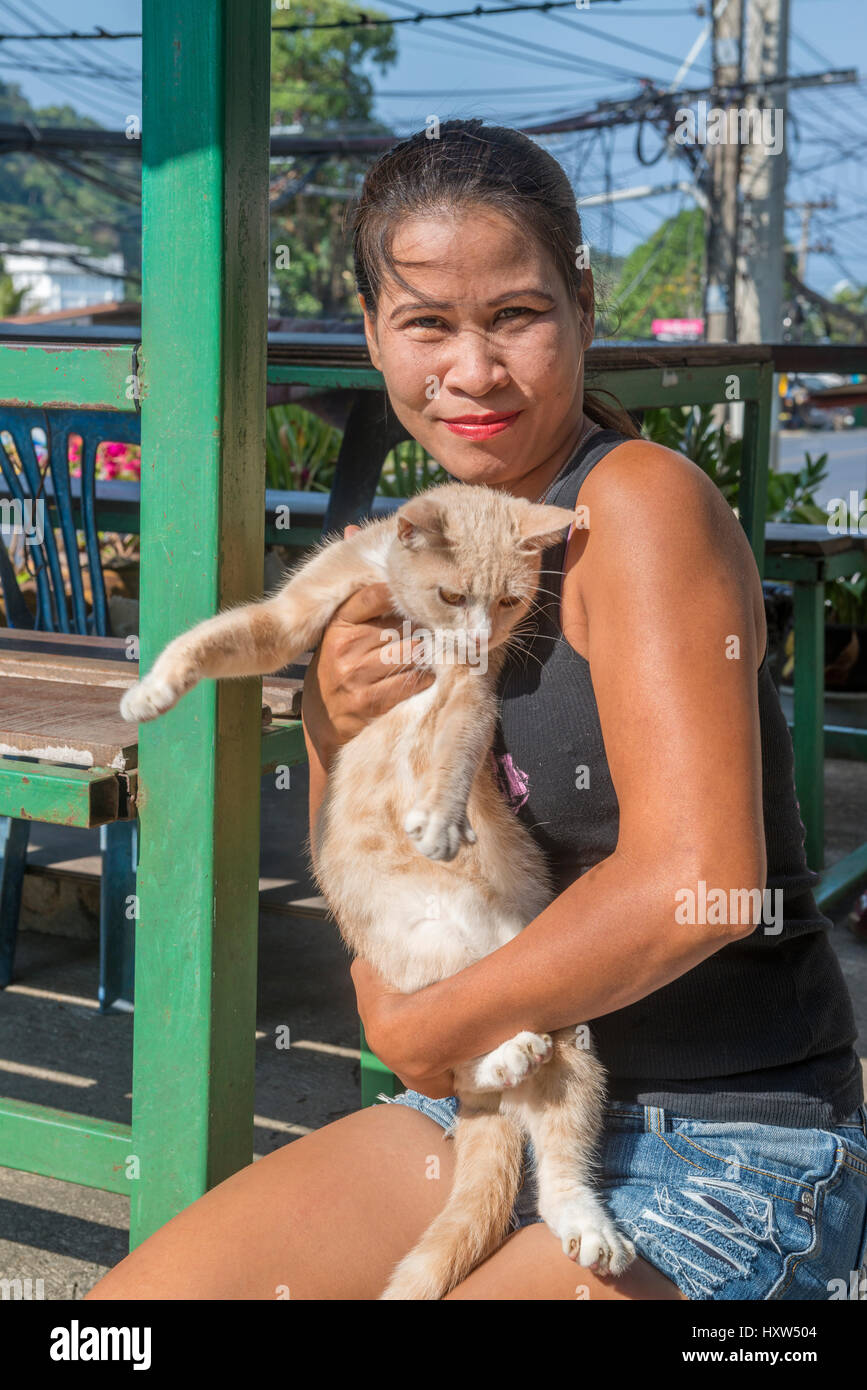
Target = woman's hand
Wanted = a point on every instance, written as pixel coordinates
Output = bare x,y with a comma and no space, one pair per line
356,676
386,1015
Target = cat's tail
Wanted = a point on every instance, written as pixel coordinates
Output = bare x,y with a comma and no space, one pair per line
475,1220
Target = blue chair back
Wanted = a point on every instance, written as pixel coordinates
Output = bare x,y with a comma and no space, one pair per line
28,482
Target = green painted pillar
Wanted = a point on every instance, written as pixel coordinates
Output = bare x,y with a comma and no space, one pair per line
755,462
375,1075
809,704
205,133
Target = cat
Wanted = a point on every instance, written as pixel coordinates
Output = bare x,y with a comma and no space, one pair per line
421,861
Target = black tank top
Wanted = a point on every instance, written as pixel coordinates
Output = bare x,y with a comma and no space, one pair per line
763,1030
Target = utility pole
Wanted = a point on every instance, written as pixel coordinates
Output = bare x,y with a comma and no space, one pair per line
806,210
725,166
759,300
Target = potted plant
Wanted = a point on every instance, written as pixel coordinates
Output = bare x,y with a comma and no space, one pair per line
846,635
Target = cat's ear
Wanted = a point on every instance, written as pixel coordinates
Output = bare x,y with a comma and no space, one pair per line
421,522
539,525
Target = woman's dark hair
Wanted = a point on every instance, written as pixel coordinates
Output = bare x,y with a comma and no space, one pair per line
467,163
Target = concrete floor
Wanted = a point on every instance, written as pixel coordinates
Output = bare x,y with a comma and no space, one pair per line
55,1048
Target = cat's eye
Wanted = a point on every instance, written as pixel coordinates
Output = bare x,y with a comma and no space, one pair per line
510,601
449,596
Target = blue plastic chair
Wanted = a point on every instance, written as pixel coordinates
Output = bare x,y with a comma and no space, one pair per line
48,482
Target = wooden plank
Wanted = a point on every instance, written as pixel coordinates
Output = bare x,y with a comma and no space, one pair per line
43,719
786,538
18,639
205,167
59,1144
70,669
281,694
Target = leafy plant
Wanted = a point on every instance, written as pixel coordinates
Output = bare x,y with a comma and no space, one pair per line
301,452
691,430
409,469
846,600
791,496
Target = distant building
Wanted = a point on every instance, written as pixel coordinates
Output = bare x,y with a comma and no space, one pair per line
53,281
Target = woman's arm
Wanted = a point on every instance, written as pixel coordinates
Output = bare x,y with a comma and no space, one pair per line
664,591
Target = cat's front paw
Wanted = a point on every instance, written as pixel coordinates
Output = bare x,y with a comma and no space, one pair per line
437,835
148,699
590,1237
513,1061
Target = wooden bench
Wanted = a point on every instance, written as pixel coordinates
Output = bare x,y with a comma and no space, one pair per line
59,707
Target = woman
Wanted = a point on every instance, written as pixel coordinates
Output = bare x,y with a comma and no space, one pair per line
643,742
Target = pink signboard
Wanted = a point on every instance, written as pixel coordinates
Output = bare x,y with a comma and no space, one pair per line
677,328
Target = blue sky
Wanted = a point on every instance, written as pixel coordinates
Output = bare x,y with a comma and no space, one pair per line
523,67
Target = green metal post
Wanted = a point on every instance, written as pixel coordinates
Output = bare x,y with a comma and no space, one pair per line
753,492
809,734
375,1075
205,249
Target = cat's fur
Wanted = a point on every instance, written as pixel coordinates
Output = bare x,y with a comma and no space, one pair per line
423,864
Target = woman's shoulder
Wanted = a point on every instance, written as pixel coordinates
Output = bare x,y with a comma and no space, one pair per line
641,495
639,474
651,517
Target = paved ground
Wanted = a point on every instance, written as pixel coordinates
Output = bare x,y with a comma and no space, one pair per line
55,1049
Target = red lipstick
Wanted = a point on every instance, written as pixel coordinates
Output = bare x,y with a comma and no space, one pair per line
482,425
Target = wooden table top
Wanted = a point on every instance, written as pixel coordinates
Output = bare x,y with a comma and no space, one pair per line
791,538
59,704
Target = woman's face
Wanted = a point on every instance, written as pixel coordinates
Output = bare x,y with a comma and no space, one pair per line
484,360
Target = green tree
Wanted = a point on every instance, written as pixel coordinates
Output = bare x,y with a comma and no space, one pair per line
44,201
10,298
317,83
662,278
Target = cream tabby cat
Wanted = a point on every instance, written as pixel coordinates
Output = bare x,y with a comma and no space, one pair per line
420,859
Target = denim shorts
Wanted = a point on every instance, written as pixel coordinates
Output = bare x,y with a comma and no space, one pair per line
730,1210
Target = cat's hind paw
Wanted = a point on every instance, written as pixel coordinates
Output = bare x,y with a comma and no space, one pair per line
591,1239
148,699
435,835
513,1061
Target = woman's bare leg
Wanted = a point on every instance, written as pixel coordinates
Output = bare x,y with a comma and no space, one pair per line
531,1265
330,1215
326,1217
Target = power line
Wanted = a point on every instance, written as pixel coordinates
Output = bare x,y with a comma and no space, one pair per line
89,69
363,22
48,18
62,84
619,41
651,104
524,46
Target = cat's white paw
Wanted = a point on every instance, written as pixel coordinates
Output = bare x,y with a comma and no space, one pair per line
591,1239
513,1061
437,835
148,699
